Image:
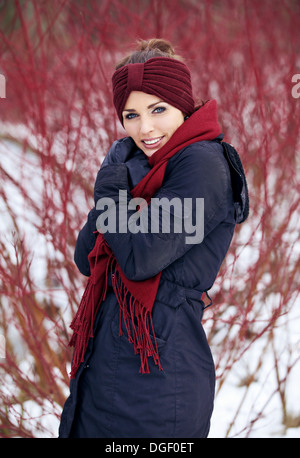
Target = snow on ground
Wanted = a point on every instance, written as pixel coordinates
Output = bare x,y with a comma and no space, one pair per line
262,399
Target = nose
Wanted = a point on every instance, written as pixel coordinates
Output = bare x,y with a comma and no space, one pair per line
146,125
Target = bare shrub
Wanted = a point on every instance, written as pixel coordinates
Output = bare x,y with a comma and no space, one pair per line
57,124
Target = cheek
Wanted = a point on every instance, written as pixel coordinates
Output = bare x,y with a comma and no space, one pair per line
171,126
130,130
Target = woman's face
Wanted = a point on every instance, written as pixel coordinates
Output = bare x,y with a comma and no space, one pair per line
149,121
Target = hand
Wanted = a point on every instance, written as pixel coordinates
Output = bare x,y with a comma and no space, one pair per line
110,180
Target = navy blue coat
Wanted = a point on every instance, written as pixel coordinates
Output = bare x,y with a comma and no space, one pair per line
109,396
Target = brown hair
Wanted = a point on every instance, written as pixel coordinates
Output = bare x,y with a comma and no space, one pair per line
146,49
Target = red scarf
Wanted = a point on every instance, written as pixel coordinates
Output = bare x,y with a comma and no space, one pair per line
136,299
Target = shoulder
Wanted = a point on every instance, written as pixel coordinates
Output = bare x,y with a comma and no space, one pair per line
204,158
209,151
119,151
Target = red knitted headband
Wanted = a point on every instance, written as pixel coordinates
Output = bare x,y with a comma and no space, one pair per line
164,77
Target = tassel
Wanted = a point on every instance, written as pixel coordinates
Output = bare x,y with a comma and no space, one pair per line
81,326
137,321
82,323
135,315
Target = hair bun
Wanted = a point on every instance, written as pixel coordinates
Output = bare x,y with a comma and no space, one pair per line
146,49
156,44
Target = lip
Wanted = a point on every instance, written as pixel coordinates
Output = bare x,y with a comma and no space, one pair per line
152,145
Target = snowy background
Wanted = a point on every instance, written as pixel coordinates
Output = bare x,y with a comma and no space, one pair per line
56,127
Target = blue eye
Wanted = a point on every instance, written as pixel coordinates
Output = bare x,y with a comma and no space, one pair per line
159,110
130,116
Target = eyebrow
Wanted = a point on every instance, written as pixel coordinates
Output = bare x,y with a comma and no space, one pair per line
132,110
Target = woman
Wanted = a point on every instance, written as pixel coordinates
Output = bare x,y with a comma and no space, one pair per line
142,366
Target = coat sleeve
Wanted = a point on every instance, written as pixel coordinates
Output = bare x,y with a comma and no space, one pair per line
196,194
85,243
119,152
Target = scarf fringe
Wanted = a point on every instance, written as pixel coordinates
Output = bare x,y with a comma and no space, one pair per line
82,323
82,329
138,323
137,320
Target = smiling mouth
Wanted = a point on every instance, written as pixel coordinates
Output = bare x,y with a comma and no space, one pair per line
152,142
